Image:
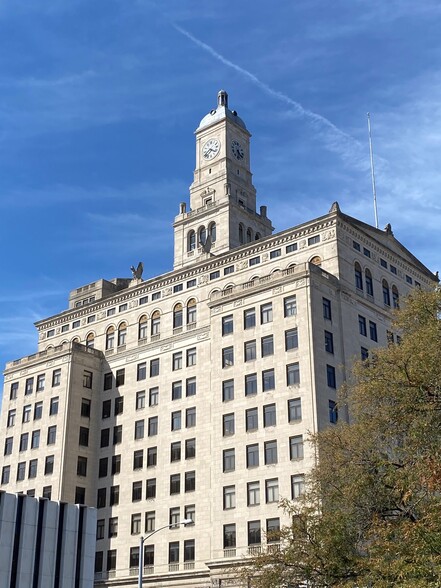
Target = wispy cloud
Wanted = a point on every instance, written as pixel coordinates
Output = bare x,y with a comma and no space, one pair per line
335,139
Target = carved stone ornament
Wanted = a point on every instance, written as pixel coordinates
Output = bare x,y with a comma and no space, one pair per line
167,291
203,279
302,244
328,235
238,302
265,256
216,309
277,290
166,347
242,265
202,336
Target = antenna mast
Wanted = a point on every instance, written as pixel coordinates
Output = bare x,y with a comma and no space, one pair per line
374,190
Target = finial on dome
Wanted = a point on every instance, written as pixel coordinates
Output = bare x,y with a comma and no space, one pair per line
222,98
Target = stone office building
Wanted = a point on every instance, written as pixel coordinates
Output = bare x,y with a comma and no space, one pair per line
190,395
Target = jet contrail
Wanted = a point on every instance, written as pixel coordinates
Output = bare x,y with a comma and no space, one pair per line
335,135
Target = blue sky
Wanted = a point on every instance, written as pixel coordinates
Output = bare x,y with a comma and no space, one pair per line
99,101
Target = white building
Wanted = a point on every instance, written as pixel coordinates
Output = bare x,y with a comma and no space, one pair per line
45,544
190,394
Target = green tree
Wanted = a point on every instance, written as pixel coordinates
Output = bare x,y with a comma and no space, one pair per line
371,512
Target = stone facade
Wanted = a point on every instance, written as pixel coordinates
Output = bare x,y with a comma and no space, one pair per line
191,395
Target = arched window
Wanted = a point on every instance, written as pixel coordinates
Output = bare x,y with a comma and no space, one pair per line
142,327
257,236
90,341
202,236
177,316
316,260
122,332
395,297
155,327
191,312
75,340
110,338
386,293
191,244
369,283
212,232
358,276
249,235
241,236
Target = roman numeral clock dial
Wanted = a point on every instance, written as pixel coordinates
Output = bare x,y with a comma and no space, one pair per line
237,150
211,149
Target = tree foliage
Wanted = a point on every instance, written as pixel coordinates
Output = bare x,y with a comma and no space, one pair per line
371,512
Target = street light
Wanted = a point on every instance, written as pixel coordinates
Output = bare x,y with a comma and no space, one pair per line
141,545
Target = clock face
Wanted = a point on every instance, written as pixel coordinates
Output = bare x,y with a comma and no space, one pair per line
237,150
211,148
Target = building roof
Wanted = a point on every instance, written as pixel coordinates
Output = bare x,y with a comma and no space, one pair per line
220,113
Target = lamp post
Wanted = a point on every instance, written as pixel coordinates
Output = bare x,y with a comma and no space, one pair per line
141,545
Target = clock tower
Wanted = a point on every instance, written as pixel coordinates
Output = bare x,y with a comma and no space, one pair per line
222,212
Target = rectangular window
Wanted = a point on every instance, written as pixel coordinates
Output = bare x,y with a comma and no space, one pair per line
84,437
228,270
191,356
229,497
227,325
252,455
139,429
152,456
32,472
292,374
81,466
229,536
87,379
190,481
138,459
362,325
178,288
190,448
191,283
190,387
250,350
53,407
292,247
106,409
275,253
140,400
111,558
254,533
249,318
114,496
228,424
141,371
11,417
229,460
266,313
108,381
356,246
190,417
175,451
253,493
215,275
373,331
153,396
136,491
270,450
296,447
111,311
116,464
51,435
154,367
176,419
250,384
122,307
38,411
174,517
272,530
35,439
327,314
9,441
173,552
329,342
120,377
255,260
175,483
105,438
366,252
13,391
268,380
267,345
135,526
290,306
313,240
102,467
153,426
330,376
100,524
227,357
29,386
143,300
21,471
150,520
176,390
40,382
272,490
291,339
24,440
177,361
117,434
297,486
383,263
49,465
364,353
156,295
269,415
294,410
26,413
333,412
251,419
85,408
